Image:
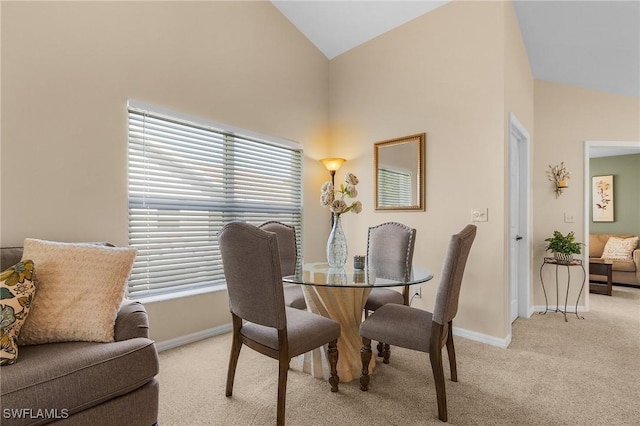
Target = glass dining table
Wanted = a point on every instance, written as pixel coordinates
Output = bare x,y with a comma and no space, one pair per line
340,294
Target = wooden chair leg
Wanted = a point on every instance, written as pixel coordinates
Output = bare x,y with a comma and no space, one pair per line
333,354
282,391
236,345
435,355
386,353
451,351
365,356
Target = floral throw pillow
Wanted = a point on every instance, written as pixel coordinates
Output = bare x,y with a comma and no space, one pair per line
17,288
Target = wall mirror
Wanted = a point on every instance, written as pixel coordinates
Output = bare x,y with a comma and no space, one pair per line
399,173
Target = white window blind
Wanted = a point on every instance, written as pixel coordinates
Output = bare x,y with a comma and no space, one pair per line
186,181
395,188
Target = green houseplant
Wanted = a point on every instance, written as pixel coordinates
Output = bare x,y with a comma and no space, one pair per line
562,246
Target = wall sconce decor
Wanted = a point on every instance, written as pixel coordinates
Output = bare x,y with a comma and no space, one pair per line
559,176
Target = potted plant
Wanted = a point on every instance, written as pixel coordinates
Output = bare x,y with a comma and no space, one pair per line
563,247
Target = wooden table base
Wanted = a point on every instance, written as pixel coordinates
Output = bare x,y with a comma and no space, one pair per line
344,305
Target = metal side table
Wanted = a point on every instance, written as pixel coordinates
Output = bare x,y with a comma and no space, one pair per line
569,265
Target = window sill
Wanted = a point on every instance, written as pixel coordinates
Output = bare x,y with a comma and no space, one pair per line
180,294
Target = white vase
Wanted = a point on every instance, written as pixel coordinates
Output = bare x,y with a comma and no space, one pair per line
337,245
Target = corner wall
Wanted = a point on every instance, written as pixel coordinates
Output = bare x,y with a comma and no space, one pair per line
519,102
444,73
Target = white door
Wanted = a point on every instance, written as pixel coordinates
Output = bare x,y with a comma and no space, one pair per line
519,263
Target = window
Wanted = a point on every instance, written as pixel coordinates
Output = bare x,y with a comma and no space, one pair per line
397,188
187,178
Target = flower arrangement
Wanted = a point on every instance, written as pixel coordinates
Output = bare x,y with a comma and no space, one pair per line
335,198
558,174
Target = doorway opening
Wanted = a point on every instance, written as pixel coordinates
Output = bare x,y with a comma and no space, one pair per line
595,149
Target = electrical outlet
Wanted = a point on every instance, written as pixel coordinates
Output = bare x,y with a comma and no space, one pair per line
417,291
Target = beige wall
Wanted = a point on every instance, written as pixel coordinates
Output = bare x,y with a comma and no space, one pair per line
69,69
518,79
566,117
445,74
0,125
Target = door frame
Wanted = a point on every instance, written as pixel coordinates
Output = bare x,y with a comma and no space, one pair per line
587,194
519,135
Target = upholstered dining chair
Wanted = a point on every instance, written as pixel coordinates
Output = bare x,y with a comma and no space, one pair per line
286,234
251,262
423,331
390,253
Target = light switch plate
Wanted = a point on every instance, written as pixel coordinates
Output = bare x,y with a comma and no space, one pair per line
568,218
480,215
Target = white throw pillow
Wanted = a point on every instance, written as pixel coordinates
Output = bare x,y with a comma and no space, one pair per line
80,288
620,248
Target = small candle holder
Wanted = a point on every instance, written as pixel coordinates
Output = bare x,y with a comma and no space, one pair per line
358,262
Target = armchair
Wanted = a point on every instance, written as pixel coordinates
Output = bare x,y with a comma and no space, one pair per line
82,383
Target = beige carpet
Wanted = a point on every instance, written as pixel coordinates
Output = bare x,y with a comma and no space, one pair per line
584,372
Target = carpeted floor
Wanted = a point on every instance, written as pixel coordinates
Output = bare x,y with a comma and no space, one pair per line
584,372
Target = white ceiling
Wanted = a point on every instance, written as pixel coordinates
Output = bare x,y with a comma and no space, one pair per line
337,26
589,44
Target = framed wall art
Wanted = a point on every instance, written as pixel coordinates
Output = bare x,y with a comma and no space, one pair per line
602,190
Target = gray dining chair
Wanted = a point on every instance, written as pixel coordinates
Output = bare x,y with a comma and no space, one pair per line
421,330
251,262
286,234
390,253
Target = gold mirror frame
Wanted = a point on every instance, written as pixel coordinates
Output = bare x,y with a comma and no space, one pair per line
401,163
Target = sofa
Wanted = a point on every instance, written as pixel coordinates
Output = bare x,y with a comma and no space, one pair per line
83,383
623,271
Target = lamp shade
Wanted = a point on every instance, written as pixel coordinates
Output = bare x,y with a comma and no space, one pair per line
333,164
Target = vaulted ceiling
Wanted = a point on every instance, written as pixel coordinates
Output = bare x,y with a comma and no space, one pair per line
589,44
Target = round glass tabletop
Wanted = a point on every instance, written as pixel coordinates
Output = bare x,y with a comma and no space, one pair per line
320,274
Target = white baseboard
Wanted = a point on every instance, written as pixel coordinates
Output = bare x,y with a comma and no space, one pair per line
482,338
226,328
504,343
193,337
